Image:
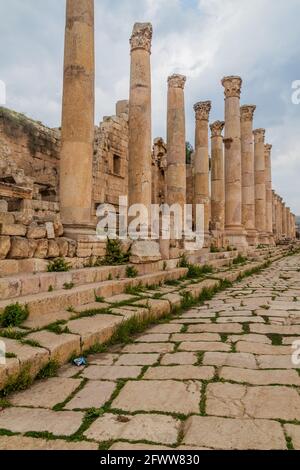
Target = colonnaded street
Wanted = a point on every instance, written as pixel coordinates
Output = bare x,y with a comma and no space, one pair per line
221,375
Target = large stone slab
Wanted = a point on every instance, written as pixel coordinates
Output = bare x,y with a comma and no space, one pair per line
164,396
141,427
97,329
137,359
47,393
93,395
213,328
276,362
256,348
61,347
111,372
203,346
29,357
179,337
260,377
265,402
180,372
180,358
219,359
22,420
149,348
233,434
30,443
153,338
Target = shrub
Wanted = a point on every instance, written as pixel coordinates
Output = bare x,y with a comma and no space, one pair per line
240,260
13,315
59,265
114,254
131,272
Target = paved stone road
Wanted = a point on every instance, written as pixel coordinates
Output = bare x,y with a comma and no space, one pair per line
220,376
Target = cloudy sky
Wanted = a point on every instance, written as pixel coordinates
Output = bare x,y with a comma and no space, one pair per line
203,39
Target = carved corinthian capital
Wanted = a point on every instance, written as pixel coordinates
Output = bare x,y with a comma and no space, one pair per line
202,110
233,86
141,37
259,135
176,81
217,128
247,112
268,148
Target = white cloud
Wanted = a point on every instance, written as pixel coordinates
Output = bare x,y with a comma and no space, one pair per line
204,39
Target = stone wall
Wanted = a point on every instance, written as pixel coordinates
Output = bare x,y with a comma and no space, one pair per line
33,148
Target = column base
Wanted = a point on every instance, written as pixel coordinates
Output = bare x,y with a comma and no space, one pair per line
145,251
236,237
263,239
271,239
252,237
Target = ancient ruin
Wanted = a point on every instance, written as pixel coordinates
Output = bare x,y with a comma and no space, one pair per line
76,294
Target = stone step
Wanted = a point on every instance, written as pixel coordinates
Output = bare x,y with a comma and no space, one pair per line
84,332
24,284
61,300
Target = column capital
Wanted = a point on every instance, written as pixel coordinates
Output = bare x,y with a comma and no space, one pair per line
217,128
233,86
141,37
247,112
259,135
176,81
268,148
202,110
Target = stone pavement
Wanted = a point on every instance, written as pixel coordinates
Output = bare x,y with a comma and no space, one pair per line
219,376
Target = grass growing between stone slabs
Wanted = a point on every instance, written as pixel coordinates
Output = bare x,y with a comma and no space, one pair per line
124,333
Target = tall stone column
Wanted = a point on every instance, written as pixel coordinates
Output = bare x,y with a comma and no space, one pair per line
288,228
217,179
274,214
77,139
201,163
269,198
176,171
140,144
284,227
260,185
280,220
248,179
234,230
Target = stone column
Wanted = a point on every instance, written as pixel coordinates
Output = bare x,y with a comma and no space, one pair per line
280,220
217,179
139,146
234,230
248,180
201,163
260,185
176,144
140,139
284,227
269,198
288,229
77,138
274,214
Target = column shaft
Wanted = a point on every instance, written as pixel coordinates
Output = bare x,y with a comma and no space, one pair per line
217,178
269,203
139,147
235,233
76,161
260,185
176,144
248,179
201,162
